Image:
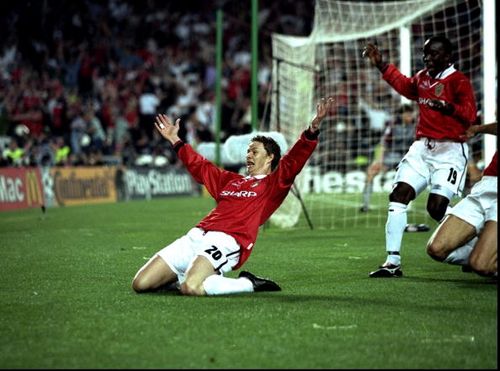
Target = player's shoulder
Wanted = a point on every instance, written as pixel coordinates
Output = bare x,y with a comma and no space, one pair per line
422,74
454,74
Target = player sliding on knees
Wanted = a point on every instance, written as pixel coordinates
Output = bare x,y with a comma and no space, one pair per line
468,234
224,239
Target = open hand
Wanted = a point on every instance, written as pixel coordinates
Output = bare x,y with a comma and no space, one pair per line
373,54
167,129
322,108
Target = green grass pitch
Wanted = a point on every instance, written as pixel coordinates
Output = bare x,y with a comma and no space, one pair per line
67,302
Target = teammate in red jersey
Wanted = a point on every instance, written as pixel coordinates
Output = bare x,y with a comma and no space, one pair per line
439,155
468,234
223,240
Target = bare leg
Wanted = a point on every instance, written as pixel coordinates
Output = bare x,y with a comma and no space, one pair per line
202,279
452,233
152,275
200,269
483,259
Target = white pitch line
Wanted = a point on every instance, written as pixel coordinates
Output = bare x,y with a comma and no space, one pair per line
453,339
340,327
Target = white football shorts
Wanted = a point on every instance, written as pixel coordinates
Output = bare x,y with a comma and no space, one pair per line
442,165
219,248
480,205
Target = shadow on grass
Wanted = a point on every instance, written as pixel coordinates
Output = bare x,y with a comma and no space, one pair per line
472,283
464,283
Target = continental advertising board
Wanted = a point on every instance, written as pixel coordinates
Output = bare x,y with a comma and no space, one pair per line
83,185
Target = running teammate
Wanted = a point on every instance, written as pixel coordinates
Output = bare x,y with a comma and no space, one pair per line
439,155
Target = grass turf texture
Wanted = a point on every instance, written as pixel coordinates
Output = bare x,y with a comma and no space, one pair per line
66,300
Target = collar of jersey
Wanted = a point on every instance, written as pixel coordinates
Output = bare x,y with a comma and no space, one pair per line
444,74
260,176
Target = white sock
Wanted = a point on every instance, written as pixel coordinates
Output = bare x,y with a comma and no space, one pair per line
394,229
461,255
220,285
394,259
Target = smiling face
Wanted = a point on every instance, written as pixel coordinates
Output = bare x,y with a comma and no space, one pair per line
436,57
258,160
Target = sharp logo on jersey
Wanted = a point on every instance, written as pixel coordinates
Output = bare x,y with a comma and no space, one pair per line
438,90
423,101
239,193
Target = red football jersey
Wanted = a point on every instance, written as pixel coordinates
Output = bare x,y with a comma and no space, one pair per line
244,202
492,168
452,86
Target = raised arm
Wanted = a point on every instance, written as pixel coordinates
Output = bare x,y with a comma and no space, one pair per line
296,157
373,54
202,170
167,129
322,108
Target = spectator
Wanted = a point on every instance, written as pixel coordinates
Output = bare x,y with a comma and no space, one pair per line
14,155
148,103
104,52
93,128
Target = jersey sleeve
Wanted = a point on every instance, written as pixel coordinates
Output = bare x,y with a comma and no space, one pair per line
202,170
294,160
404,85
464,102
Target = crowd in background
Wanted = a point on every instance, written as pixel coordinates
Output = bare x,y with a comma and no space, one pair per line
81,80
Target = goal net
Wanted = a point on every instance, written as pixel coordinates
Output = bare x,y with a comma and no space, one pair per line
329,62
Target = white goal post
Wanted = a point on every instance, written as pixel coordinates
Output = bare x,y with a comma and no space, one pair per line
329,62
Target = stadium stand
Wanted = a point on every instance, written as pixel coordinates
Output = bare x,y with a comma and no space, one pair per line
81,79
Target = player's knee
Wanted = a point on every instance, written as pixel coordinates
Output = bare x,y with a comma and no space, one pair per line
140,284
402,193
395,197
436,250
482,265
436,213
192,289
400,197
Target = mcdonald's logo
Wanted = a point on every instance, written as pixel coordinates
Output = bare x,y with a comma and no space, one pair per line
34,194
